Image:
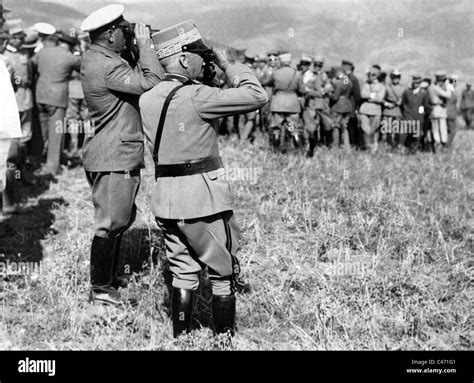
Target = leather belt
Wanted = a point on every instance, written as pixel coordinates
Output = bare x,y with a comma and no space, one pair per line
188,168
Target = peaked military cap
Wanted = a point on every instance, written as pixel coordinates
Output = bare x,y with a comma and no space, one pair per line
103,17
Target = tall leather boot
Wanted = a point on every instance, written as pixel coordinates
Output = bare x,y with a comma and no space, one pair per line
223,312
118,278
312,145
8,194
102,258
182,302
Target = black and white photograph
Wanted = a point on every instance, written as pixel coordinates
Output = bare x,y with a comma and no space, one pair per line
244,175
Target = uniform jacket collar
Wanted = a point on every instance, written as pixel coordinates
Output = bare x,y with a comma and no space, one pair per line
105,51
178,78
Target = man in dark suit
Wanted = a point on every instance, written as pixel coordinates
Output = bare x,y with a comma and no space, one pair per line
113,152
415,107
54,66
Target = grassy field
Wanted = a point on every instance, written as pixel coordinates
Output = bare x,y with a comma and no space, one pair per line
341,251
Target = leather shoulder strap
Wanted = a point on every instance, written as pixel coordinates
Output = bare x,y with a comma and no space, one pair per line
159,131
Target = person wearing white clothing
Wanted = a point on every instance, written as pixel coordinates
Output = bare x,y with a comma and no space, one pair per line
10,130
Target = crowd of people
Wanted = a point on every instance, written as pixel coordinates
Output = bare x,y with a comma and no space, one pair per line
43,65
311,105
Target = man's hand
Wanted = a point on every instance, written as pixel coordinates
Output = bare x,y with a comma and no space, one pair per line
223,60
142,36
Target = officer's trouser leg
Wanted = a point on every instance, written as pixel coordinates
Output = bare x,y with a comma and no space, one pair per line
439,130
4,150
113,195
385,134
452,128
336,129
353,128
365,127
290,129
467,116
309,121
375,127
8,194
247,125
194,244
44,113
73,120
370,126
414,143
344,131
276,129
56,131
26,118
443,130
406,131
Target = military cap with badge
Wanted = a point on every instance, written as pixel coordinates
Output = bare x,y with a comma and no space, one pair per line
185,37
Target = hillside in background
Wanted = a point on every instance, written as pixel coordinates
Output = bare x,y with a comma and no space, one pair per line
416,36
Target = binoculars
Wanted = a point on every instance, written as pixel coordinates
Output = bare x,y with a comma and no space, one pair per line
130,30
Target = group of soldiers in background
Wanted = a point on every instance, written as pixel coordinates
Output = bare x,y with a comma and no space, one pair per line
309,105
44,66
312,106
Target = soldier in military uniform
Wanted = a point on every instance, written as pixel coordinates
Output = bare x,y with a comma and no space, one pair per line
247,121
9,151
391,111
452,107
269,67
191,201
317,91
54,66
10,128
23,72
370,112
285,106
263,72
341,108
113,153
467,105
22,80
439,92
46,37
310,123
77,113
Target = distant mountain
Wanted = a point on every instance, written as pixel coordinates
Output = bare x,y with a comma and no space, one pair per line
31,12
417,36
